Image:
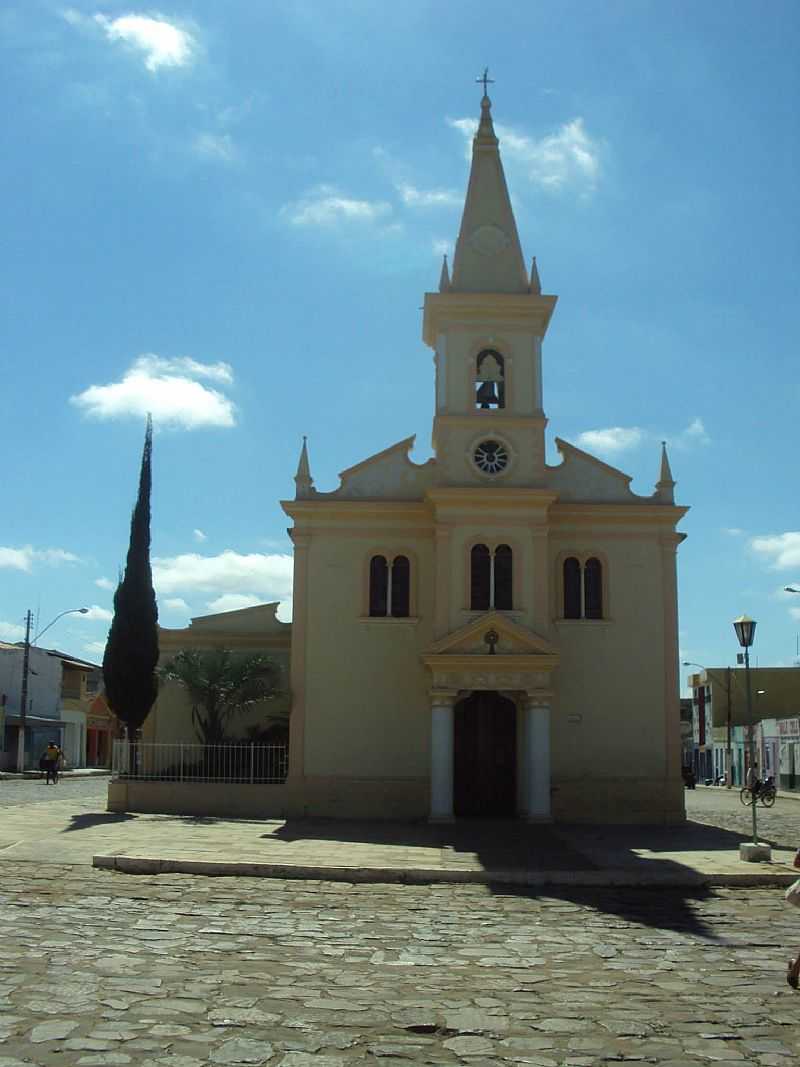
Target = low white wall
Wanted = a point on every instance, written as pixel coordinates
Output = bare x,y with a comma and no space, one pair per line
200,798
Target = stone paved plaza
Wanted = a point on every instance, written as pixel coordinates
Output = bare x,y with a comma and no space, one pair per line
103,968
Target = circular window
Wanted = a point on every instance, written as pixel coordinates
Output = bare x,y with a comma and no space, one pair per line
491,457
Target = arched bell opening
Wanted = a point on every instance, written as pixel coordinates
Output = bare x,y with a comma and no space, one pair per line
485,756
490,381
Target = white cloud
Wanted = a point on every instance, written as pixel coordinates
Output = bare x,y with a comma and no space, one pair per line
441,246
175,603
611,441
694,434
96,612
779,551
616,439
199,535
104,583
218,147
267,576
167,388
413,197
95,648
11,631
233,602
162,43
732,531
567,158
23,559
325,206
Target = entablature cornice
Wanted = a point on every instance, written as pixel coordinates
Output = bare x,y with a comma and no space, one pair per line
575,514
485,421
531,504
313,513
484,662
533,310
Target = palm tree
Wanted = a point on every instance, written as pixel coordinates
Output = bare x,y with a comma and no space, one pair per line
221,685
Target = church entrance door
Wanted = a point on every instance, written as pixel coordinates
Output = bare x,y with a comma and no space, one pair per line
484,756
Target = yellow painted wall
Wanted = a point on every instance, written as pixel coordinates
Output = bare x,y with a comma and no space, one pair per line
367,703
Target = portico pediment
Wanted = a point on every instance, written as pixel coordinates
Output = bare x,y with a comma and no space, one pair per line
492,652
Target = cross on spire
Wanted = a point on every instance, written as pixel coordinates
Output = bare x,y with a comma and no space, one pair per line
486,80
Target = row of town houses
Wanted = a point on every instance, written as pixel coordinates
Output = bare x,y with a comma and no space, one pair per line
65,704
716,726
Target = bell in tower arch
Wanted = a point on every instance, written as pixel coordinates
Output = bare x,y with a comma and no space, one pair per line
486,396
490,381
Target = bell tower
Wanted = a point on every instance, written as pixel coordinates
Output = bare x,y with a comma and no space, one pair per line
486,326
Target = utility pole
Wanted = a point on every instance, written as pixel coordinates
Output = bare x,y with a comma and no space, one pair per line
23,703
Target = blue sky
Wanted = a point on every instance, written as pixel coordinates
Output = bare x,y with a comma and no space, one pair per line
228,214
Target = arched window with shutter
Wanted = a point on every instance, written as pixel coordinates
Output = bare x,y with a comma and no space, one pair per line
572,588
401,587
480,578
378,586
593,589
503,574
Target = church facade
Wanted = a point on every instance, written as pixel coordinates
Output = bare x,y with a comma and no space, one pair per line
485,635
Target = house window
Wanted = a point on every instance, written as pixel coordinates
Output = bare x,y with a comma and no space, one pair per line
491,578
583,588
490,381
389,587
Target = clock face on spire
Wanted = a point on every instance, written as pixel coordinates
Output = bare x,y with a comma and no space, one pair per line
489,240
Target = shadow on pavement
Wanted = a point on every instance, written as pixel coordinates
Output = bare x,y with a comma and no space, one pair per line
96,818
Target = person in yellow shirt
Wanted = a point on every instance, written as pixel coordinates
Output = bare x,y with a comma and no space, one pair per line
52,761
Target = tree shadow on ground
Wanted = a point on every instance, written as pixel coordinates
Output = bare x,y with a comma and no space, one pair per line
96,818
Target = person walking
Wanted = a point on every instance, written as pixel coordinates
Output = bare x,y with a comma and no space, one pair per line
52,761
793,897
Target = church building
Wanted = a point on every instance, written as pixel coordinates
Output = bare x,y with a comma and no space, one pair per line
485,635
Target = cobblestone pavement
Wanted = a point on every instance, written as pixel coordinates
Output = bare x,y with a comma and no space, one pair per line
15,792
717,806
100,968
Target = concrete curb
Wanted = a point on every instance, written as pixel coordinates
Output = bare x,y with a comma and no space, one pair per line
63,776
617,878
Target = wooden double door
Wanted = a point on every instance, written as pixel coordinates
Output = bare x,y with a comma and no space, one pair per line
485,756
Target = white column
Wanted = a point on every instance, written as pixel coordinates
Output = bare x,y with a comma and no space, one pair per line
537,759
442,757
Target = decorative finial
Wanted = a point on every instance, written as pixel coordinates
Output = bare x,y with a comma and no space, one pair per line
303,479
444,277
536,285
485,80
665,485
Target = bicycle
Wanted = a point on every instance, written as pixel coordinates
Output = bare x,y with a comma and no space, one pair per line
767,794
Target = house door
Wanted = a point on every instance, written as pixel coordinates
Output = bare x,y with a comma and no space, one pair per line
485,756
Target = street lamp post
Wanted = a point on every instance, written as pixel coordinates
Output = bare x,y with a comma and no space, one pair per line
26,659
745,628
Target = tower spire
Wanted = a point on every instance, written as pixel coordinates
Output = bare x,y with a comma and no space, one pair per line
488,257
665,485
444,277
303,480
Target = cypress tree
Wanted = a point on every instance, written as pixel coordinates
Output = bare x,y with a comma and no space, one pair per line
131,654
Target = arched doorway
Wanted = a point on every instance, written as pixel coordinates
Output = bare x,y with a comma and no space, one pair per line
485,756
